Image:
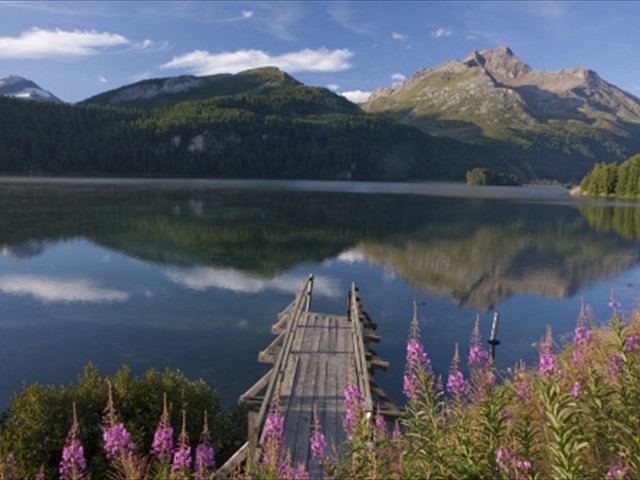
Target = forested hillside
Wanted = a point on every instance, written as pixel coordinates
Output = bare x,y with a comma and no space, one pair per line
270,126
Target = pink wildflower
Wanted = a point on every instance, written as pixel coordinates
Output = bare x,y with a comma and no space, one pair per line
73,462
575,389
273,438
509,465
318,441
632,344
456,384
162,446
182,454
205,460
547,363
417,360
477,354
116,438
581,339
616,365
353,402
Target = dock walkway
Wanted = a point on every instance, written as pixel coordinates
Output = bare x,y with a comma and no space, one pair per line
314,357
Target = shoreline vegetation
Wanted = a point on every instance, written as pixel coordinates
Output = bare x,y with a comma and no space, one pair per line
574,415
612,180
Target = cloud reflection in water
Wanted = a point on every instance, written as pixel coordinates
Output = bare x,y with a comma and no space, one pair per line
204,278
51,289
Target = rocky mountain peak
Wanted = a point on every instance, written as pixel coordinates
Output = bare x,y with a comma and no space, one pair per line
501,63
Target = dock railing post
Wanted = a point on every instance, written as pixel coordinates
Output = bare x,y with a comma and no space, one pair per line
252,434
493,341
309,290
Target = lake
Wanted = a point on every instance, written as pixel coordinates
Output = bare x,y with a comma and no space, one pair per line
190,274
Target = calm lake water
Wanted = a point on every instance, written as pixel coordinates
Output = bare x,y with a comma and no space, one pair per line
191,274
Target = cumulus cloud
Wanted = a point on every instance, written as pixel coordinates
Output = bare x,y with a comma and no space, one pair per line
201,279
442,32
52,289
333,86
201,62
356,96
398,77
58,44
399,36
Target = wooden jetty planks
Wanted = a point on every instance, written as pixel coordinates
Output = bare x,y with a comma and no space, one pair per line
315,355
323,359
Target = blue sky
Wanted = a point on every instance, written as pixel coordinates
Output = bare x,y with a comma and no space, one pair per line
79,49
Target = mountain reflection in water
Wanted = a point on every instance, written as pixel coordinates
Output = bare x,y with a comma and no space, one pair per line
254,240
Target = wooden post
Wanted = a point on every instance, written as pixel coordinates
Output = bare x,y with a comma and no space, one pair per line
309,289
252,437
493,341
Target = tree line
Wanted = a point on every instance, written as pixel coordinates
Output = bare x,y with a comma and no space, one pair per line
294,133
614,180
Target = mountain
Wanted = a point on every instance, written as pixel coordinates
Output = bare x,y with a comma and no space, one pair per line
19,87
546,124
256,124
258,82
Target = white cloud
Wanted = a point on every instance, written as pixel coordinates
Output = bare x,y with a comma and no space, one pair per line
202,279
442,32
398,77
399,36
58,44
53,289
356,96
102,79
351,256
38,43
333,86
201,62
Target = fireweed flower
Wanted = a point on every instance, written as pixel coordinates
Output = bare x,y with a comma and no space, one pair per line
117,441
116,438
477,354
616,366
417,360
456,384
547,363
353,403
73,462
381,425
575,389
182,455
318,441
273,435
581,339
632,344
509,465
205,461
617,473
162,446
547,359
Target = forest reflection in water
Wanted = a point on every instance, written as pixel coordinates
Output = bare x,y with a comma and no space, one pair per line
247,245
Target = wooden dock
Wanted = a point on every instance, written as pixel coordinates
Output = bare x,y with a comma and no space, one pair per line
314,356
